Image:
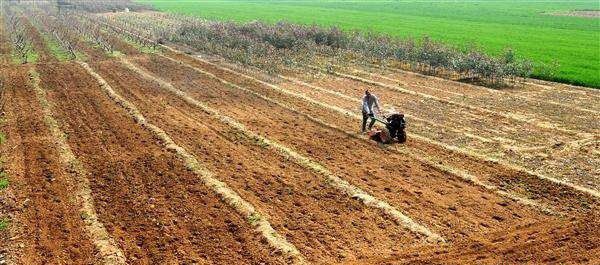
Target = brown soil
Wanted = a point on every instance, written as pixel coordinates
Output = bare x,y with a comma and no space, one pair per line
159,212
453,203
48,227
544,150
507,178
574,242
452,212
326,226
504,101
561,158
133,182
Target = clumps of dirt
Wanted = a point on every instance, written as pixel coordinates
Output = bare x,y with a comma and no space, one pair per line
587,13
574,240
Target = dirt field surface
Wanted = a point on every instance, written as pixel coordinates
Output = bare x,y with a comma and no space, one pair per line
134,190
50,230
572,242
177,158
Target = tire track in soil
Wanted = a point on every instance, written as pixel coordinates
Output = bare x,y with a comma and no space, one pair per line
153,206
326,225
47,225
507,178
453,207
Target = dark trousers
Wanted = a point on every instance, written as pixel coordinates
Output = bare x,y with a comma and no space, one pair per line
366,116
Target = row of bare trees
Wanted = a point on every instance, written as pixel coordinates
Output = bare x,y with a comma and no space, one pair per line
103,6
266,45
91,31
21,41
269,46
142,34
51,23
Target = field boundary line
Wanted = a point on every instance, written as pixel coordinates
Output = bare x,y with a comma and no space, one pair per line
534,122
462,151
228,195
109,251
425,160
551,102
306,162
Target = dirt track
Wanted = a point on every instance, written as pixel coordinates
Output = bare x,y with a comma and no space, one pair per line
446,178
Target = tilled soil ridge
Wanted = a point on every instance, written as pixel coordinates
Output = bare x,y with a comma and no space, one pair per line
155,208
325,224
47,223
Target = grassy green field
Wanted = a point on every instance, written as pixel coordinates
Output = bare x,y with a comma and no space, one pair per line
525,26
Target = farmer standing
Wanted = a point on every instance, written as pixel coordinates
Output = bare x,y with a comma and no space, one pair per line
370,107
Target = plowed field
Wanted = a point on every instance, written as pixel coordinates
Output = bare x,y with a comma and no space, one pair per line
175,158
